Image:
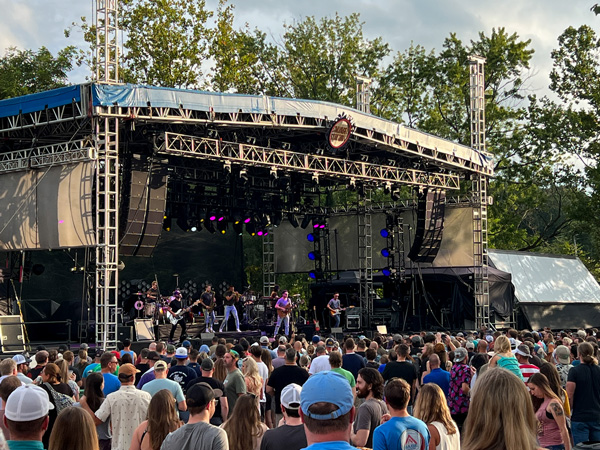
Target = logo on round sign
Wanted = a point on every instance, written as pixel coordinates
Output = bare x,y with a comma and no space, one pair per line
340,133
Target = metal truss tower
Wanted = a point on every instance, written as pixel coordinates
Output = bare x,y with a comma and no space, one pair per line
365,257
268,262
107,41
479,196
363,94
107,232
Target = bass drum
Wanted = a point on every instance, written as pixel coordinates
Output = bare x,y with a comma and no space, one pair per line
149,309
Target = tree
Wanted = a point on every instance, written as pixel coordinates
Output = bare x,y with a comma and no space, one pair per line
25,72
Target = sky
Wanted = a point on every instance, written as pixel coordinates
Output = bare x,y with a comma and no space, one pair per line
35,23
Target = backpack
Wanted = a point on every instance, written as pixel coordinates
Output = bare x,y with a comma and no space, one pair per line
60,400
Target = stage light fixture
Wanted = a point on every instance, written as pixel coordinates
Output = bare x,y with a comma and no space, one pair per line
311,237
227,166
238,227
273,173
209,226
315,178
247,218
386,272
167,223
251,228
243,175
316,274
276,218
212,216
386,252
314,255
306,221
183,224
222,226
385,233
352,184
259,233
387,188
293,220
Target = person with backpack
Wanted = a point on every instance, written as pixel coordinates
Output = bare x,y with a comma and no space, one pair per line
59,393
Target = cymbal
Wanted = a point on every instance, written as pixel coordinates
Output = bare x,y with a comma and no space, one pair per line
139,294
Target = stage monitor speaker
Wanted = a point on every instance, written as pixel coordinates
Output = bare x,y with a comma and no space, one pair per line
124,333
144,213
11,334
143,329
353,322
431,208
206,336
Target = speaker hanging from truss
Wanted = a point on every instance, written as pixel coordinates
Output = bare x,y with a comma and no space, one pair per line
431,208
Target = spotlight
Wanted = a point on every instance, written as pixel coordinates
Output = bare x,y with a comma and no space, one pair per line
222,226
212,216
167,222
273,173
209,226
250,228
247,218
238,227
183,224
314,255
259,233
385,233
386,252
387,271
352,184
293,220
315,178
306,221
276,218
387,188
316,274
311,237
243,175
227,166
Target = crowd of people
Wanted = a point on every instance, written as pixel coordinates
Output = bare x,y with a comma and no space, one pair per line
519,390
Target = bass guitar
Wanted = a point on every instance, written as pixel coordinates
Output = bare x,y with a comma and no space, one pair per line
176,316
338,311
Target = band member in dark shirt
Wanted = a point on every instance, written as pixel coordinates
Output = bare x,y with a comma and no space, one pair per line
175,307
231,298
152,293
208,302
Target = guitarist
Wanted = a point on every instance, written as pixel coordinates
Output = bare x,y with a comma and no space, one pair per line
231,298
334,306
175,307
283,308
208,301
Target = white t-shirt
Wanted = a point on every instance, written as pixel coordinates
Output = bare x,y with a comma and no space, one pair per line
263,370
319,364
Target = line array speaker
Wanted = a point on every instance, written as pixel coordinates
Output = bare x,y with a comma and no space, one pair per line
145,209
431,208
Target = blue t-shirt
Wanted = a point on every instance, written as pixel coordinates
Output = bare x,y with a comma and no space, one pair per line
111,383
401,433
439,377
94,367
353,363
334,445
164,383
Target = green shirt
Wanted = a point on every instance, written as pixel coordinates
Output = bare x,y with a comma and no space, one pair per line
234,385
346,374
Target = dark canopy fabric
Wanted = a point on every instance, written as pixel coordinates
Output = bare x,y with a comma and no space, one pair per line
562,315
462,297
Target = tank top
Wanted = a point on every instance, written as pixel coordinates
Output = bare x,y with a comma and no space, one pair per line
548,432
447,441
511,364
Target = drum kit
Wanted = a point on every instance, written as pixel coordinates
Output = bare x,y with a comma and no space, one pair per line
147,307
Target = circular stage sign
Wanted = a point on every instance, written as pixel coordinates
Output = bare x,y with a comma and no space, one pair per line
339,134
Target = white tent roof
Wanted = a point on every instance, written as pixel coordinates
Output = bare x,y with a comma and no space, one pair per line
540,278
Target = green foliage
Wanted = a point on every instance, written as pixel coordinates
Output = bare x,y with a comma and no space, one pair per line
25,72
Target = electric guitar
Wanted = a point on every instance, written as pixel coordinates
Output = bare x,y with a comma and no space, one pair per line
338,311
176,316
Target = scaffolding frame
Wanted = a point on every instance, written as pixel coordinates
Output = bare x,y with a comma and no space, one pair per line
107,41
365,256
479,196
268,254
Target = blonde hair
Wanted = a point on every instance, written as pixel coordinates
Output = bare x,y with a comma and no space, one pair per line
501,415
63,368
432,406
220,372
251,375
502,345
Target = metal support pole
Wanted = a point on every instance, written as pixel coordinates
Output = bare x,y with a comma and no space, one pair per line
107,232
365,257
107,41
268,262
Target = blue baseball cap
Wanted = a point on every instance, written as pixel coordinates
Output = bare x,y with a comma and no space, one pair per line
328,387
315,339
186,344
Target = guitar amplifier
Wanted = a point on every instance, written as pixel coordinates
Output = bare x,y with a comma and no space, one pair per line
12,335
353,322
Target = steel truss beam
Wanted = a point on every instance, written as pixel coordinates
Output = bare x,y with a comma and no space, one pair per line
48,155
216,150
298,123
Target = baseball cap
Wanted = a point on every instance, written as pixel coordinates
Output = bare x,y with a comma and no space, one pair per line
127,370
489,338
460,354
522,350
207,364
316,339
329,342
513,343
328,387
186,344
20,359
83,346
264,340
562,354
283,340
200,394
181,353
460,334
170,348
470,345
290,396
153,356
160,365
27,403
397,338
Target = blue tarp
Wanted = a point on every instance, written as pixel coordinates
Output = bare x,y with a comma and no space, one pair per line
40,101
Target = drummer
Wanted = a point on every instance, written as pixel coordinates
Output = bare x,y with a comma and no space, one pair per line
152,293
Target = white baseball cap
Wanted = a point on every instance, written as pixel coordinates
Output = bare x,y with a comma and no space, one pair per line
27,403
290,396
181,353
